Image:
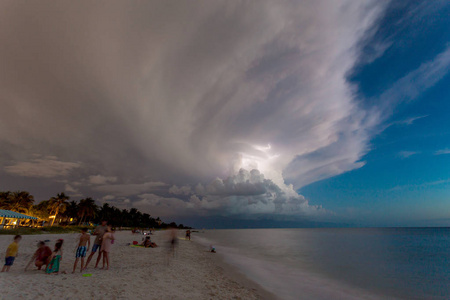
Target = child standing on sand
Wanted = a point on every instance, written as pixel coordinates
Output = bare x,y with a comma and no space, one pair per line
108,239
55,258
85,238
11,253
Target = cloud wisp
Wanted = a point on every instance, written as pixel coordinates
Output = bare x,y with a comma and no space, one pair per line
44,167
442,152
100,179
407,154
410,121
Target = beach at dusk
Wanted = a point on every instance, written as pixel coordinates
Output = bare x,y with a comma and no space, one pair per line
135,273
257,149
342,264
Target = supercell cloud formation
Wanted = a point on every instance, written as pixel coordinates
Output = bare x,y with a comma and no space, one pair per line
198,107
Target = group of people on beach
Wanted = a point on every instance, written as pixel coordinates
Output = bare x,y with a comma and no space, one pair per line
44,256
50,260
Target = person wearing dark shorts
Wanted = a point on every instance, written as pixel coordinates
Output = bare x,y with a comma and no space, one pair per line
81,252
83,246
9,261
96,247
99,232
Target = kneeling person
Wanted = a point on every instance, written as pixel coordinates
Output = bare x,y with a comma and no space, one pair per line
41,257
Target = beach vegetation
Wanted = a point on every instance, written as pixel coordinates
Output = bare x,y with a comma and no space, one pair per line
19,201
86,209
59,215
58,205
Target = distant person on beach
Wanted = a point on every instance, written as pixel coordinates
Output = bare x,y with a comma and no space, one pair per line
188,234
147,243
173,239
11,253
99,232
41,257
83,246
55,258
108,239
173,236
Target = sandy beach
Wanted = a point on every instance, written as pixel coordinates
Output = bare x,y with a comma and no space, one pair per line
135,273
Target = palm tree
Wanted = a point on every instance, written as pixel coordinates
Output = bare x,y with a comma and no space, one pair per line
125,218
116,217
86,208
72,210
5,200
58,204
105,212
21,201
39,211
146,220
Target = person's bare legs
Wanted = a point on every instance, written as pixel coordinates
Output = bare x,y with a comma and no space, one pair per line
5,269
104,258
89,259
46,264
75,265
98,259
82,264
106,255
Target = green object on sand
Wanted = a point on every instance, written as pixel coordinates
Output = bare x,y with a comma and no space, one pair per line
87,275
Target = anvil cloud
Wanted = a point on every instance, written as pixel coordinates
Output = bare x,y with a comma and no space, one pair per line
211,107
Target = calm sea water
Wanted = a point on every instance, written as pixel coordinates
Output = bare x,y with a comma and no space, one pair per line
381,263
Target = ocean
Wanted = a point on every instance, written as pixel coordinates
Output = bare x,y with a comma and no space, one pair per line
340,263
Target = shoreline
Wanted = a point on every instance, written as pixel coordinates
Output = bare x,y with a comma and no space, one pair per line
150,273
286,282
233,273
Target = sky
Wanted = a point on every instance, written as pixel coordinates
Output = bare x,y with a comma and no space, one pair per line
231,113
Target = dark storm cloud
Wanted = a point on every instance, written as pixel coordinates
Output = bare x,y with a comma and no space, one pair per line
147,102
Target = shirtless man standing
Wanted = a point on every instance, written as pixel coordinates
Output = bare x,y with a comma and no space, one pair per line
85,238
99,232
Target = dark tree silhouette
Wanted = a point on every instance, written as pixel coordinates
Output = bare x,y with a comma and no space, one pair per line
86,209
58,205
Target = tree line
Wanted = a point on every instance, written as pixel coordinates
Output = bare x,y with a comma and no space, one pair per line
64,212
